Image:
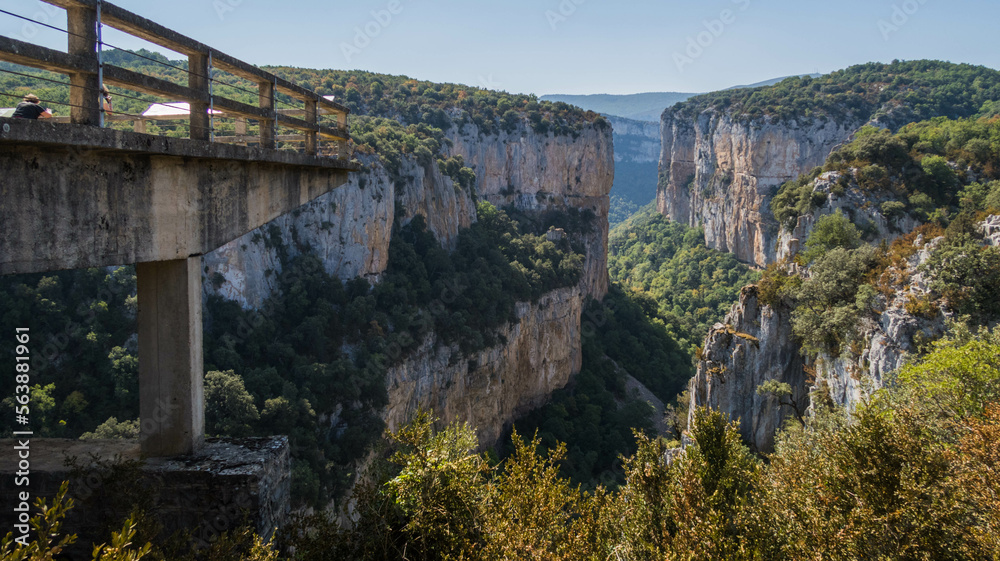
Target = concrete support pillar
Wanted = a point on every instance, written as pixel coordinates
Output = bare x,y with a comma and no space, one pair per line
313,119
84,90
266,97
198,80
171,392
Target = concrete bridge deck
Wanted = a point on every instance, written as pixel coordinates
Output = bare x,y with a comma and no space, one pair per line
76,196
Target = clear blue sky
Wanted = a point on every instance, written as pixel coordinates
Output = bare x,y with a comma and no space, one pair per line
572,46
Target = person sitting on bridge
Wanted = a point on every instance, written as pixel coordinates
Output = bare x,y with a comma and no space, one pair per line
31,108
106,100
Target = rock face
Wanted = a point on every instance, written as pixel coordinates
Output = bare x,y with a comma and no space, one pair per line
636,141
890,338
733,363
538,173
351,227
755,344
499,383
721,172
861,207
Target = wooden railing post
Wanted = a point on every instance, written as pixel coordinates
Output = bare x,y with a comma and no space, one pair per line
240,130
312,118
266,96
198,80
84,90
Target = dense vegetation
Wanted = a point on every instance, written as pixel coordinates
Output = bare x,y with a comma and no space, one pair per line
910,475
896,93
82,327
931,169
687,286
317,347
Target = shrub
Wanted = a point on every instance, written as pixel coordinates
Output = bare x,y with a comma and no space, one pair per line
831,231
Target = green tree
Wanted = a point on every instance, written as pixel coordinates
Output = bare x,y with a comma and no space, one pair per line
229,407
831,231
826,313
439,488
967,274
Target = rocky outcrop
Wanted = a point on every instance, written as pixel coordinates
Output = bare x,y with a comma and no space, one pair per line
863,208
753,345
890,337
720,172
492,387
351,227
756,344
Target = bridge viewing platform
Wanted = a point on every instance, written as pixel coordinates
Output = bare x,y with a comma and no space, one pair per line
79,194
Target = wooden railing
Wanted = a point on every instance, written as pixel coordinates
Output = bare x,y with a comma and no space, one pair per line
82,63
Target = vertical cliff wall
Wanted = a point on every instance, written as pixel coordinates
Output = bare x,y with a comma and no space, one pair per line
350,230
720,171
753,344
534,172
636,142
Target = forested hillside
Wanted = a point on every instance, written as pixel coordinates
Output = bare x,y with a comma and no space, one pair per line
911,474
685,284
895,94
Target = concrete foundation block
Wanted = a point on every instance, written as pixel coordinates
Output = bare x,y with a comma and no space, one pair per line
226,484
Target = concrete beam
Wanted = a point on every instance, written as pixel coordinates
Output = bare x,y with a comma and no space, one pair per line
114,197
171,391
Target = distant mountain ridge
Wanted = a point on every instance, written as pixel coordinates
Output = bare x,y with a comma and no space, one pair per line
641,106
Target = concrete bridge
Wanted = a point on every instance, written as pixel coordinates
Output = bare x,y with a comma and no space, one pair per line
78,195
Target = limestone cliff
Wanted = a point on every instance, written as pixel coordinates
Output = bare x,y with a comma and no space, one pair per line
534,172
636,141
720,171
756,344
497,384
753,345
350,230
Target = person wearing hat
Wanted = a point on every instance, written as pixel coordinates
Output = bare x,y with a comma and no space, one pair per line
31,108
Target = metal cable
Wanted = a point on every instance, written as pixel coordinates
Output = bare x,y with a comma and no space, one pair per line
185,70
14,95
40,23
273,98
